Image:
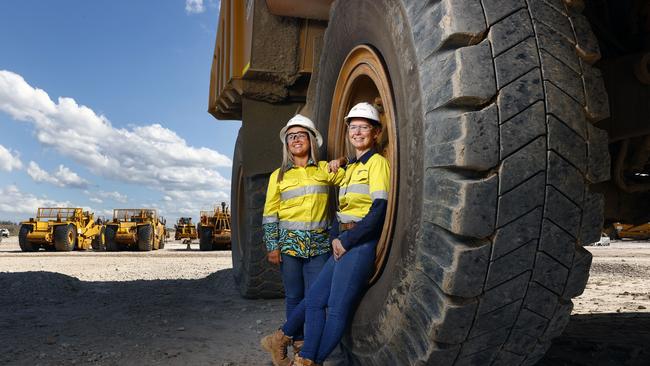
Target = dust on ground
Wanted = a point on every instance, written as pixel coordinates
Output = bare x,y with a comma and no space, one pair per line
180,307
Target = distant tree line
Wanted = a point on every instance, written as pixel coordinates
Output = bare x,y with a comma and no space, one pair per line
11,226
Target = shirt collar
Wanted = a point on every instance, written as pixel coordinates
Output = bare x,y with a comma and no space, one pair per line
309,162
365,157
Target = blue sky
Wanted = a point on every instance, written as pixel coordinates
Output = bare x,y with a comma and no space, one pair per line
103,105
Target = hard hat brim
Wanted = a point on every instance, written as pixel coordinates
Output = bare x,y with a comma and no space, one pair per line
314,132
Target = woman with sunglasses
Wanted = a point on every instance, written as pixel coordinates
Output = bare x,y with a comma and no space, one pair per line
363,198
295,218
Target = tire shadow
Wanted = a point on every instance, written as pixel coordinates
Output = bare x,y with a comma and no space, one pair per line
614,339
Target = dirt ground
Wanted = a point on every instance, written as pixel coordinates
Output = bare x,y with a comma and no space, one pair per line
180,307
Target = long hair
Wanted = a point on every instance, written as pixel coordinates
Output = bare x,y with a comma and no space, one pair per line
287,157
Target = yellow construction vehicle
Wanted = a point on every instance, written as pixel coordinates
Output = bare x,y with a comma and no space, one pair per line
185,230
139,228
628,231
61,229
498,121
214,228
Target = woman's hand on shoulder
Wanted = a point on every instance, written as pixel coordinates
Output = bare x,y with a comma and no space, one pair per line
274,257
335,164
338,249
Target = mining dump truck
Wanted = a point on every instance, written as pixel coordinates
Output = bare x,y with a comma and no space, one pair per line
61,229
184,229
503,122
139,228
214,229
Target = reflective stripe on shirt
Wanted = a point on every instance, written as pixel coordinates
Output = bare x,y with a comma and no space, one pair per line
304,190
296,225
269,219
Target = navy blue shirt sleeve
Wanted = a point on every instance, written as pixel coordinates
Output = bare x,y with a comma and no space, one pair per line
334,230
367,229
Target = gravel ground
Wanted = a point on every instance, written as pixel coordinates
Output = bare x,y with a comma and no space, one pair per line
180,307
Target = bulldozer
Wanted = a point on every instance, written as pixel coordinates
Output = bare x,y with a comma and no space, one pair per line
214,228
140,228
61,229
185,229
513,129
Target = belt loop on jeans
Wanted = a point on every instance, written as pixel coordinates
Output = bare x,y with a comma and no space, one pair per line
346,226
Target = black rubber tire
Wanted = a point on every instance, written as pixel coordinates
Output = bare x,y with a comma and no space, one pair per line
496,155
161,244
65,237
26,245
254,275
205,238
145,238
109,237
99,242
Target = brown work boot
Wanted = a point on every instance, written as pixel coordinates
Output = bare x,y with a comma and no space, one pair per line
276,344
299,361
297,346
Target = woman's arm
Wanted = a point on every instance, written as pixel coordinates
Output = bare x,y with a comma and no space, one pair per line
270,219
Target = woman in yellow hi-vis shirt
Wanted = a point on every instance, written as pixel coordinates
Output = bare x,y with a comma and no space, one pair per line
295,217
363,198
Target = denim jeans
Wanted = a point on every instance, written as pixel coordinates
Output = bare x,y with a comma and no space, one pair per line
330,302
298,274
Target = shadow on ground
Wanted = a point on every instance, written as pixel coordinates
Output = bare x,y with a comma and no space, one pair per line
602,340
52,319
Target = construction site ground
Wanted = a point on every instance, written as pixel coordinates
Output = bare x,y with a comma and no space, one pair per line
180,307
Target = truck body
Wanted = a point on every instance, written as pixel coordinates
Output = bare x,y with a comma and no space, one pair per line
185,229
214,229
514,130
61,229
139,228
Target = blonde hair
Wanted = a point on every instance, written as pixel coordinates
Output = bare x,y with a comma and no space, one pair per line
287,156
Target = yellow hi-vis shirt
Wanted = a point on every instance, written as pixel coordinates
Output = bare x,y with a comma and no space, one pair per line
366,179
295,215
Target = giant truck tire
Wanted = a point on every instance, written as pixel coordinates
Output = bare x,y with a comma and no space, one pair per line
494,153
65,237
254,275
145,238
26,245
109,236
99,242
205,238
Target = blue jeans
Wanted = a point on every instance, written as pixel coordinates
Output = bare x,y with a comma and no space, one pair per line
298,274
337,290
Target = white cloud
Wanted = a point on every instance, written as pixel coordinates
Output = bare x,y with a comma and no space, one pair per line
188,203
115,196
21,205
150,155
194,6
95,200
63,177
9,161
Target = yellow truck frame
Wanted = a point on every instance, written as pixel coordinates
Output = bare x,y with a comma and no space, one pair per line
139,228
61,229
214,229
185,229
629,231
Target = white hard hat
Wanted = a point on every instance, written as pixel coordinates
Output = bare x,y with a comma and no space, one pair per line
363,110
302,121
